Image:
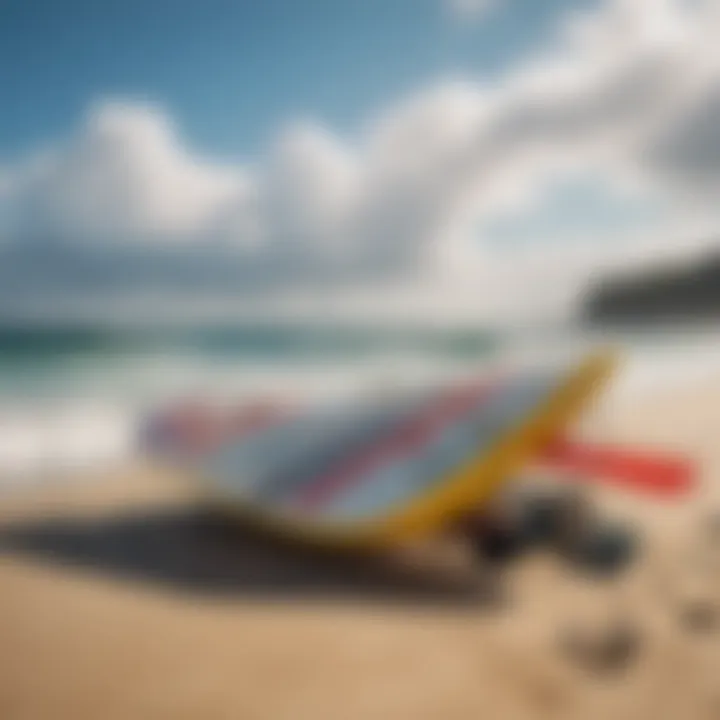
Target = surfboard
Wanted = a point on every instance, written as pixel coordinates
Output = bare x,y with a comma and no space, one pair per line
385,471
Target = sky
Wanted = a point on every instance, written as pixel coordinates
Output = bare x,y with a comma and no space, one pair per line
451,159
233,71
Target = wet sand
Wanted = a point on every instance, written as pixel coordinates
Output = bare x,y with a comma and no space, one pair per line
120,598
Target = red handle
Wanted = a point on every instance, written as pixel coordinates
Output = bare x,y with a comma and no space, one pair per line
641,470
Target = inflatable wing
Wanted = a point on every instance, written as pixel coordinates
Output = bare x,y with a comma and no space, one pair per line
386,471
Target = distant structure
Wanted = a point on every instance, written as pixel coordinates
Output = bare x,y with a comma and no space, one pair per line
690,292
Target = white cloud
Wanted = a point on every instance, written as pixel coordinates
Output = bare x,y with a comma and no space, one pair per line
630,94
125,176
309,188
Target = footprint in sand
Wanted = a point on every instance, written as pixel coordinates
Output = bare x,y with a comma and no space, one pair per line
690,581
609,649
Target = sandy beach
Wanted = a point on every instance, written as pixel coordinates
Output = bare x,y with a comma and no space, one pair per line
119,599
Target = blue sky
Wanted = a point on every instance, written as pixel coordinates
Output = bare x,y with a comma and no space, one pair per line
232,71
456,156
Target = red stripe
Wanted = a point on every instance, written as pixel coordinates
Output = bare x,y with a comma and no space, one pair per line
410,435
200,430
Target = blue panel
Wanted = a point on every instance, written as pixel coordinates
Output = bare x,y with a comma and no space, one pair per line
405,476
272,462
346,438
271,466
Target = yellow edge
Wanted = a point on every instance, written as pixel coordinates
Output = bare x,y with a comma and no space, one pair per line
470,485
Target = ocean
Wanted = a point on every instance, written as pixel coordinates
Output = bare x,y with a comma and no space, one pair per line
74,396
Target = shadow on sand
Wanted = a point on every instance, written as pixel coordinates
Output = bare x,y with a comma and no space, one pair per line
190,550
